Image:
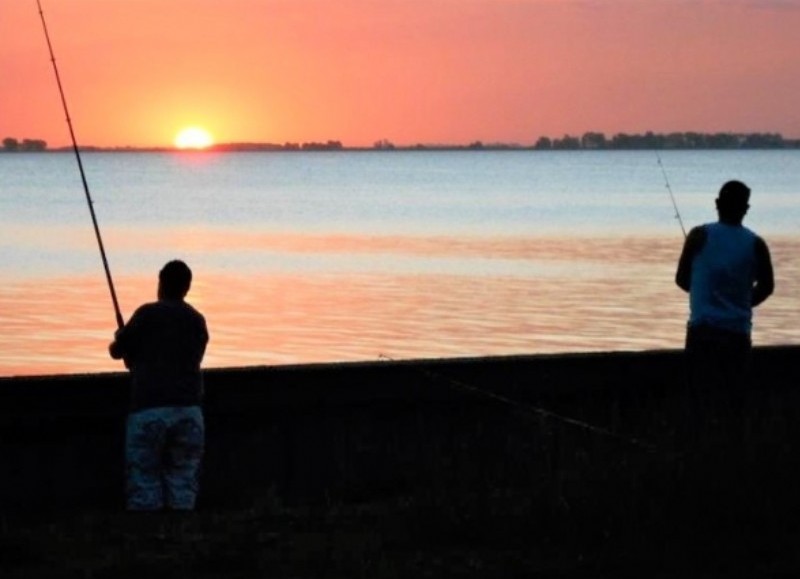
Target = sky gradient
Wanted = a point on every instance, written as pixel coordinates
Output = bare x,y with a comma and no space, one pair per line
411,71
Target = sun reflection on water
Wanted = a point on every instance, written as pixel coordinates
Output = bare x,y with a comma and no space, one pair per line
417,298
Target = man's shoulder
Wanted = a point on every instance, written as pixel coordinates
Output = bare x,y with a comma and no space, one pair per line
198,319
760,244
145,309
697,236
167,308
193,310
699,230
755,235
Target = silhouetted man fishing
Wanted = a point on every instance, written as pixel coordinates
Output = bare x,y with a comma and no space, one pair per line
727,270
163,345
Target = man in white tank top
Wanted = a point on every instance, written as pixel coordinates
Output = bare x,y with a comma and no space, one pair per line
727,270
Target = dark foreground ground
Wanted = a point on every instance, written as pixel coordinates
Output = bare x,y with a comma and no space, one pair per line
398,538
713,515
402,471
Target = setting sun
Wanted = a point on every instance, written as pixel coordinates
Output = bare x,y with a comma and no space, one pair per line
193,138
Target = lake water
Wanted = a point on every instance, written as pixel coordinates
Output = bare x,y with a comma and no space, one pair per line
334,256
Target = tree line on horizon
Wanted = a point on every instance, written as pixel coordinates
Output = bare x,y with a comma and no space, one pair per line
685,140
625,141
587,141
26,145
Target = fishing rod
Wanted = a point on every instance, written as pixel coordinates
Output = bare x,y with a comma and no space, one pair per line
117,312
671,195
532,411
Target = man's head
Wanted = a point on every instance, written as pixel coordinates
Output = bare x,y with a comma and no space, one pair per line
174,280
733,201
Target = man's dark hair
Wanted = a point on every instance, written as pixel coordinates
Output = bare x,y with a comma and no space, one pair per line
175,279
733,200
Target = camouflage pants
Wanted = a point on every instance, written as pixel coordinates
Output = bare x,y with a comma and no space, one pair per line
163,452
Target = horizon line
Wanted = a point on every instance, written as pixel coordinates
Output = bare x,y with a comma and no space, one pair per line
587,141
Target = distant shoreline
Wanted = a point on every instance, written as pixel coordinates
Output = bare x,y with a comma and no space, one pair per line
268,149
588,141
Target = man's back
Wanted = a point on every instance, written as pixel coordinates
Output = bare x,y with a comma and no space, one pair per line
723,272
163,345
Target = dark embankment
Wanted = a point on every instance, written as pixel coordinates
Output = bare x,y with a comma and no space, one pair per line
639,471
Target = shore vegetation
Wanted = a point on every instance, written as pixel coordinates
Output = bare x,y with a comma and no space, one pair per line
587,141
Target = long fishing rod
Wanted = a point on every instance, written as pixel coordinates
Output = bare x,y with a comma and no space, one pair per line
120,321
671,194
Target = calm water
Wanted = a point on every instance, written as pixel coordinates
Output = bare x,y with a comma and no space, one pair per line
303,257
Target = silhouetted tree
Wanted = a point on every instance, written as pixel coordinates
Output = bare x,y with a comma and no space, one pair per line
567,142
593,141
329,146
652,141
722,141
674,141
33,145
695,140
764,141
383,145
10,144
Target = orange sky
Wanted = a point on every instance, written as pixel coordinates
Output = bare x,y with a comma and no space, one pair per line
411,71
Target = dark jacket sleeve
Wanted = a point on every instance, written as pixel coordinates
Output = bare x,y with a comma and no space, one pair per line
124,344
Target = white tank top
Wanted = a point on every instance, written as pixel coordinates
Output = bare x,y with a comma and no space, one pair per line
723,274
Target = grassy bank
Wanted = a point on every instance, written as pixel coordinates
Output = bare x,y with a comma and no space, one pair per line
397,470
400,538
712,511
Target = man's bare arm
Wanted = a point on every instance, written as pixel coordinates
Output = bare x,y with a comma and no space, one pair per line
765,280
691,247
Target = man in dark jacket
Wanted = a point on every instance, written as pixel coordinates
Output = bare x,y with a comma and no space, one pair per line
163,345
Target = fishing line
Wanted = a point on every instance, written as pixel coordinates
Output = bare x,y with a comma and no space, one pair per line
118,314
671,195
533,410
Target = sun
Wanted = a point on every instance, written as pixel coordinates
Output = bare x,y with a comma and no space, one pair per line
193,138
